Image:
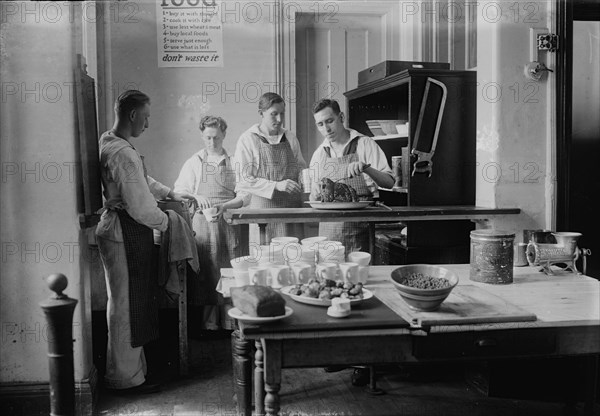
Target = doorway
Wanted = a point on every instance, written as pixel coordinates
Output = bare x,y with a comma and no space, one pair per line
578,132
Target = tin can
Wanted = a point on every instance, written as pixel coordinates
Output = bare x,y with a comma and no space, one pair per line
492,256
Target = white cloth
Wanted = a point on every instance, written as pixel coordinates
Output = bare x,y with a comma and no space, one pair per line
125,186
190,177
247,161
125,365
368,151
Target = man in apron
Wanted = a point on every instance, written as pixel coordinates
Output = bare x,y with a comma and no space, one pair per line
125,242
209,175
269,164
347,156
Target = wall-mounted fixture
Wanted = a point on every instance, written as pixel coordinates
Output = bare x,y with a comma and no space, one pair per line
540,39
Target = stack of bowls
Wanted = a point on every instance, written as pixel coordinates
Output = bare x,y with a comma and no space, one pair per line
331,251
312,242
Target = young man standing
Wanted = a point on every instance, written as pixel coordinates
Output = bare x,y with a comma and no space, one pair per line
125,242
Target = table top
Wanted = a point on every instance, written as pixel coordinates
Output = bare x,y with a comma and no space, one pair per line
368,214
561,300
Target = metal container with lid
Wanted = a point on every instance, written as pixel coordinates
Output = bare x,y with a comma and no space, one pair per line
492,256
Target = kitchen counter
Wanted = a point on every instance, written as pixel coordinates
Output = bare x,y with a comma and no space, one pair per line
372,215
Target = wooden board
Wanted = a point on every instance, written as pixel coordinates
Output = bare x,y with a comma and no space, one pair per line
85,98
466,304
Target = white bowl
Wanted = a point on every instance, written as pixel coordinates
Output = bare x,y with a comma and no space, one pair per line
244,262
310,241
283,240
361,257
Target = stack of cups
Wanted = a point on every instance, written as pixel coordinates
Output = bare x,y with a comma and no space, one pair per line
362,259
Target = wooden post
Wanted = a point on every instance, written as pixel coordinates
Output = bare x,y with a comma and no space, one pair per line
59,316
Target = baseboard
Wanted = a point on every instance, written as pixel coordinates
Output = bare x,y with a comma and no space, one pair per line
32,399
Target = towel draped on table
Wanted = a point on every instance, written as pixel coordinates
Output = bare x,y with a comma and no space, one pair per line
177,244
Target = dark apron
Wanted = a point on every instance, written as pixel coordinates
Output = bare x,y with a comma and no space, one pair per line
276,163
353,235
217,242
143,284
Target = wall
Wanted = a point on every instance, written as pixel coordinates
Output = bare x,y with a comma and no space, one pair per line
181,96
514,143
38,194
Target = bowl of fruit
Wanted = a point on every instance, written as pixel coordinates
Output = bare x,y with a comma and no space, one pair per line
424,287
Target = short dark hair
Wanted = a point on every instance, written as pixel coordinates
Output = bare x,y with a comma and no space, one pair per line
324,103
130,100
213,121
268,99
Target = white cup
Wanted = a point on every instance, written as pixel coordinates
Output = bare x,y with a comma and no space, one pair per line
209,213
349,272
327,271
341,305
280,275
301,272
241,277
361,257
363,274
258,275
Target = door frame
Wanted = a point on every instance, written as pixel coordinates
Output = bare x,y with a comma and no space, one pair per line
567,11
400,43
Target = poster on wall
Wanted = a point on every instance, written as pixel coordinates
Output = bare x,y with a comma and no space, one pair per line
190,33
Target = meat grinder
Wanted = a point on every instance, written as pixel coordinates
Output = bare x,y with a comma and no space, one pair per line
565,251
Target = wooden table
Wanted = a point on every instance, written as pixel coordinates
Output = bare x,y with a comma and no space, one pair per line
372,215
567,308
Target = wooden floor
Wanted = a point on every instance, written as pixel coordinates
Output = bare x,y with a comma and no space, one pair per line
433,390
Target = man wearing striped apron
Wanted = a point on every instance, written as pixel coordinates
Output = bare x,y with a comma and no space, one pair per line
269,164
347,156
209,175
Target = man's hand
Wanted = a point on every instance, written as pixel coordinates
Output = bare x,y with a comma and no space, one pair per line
203,202
288,186
181,196
356,168
220,211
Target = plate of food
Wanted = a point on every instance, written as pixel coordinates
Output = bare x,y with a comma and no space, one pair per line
339,205
337,195
320,294
235,313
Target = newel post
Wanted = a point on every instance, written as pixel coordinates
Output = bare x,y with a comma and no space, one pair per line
59,317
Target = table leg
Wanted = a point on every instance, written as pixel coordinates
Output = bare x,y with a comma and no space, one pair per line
272,363
372,239
262,228
242,372
591,363
183,328
259,381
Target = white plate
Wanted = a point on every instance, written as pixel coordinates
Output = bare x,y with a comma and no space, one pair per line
235,313
367,294
339,205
